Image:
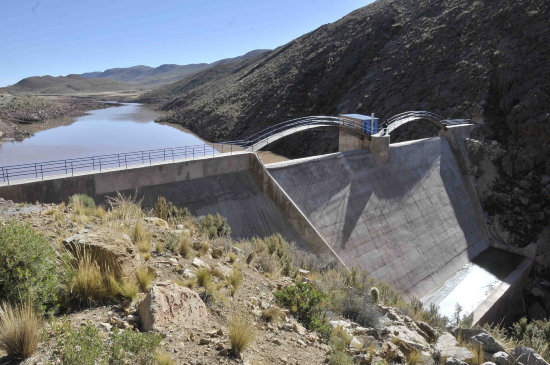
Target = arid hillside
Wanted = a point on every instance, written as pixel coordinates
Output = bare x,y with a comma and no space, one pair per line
487,61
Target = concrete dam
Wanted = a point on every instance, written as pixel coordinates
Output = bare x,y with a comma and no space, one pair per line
407,213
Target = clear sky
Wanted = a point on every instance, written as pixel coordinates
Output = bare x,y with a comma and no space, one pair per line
58,37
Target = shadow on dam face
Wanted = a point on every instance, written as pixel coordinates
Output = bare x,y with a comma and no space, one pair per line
410,222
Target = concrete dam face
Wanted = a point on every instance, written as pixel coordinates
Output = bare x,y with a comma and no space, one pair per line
410,221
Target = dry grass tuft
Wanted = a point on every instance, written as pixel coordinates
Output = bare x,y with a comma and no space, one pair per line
234,280
241,333
204,278
232,257
273,314
126,209
184,247
144,277
128,288
163,358
20,330
413,358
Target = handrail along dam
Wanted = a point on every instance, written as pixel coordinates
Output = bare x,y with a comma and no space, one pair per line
405,212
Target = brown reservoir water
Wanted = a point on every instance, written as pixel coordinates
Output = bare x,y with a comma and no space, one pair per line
122,129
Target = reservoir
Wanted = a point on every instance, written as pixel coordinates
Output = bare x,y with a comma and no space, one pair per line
121,129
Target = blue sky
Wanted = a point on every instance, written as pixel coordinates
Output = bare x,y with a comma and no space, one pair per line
58,37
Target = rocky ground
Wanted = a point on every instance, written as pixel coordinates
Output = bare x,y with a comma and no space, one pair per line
195,319
17,111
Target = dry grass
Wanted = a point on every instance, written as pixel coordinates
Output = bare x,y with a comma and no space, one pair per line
140,234
95,280
232,257
205,247
144,277
20,330
204,277
163,358
126,209
184,247
234,280
413,358
241,333
273,314
159,247
128,288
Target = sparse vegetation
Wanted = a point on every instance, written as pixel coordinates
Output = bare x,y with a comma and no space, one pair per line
241,333
303,301
20,330
169,212
184,247
214,226
273,314
234,280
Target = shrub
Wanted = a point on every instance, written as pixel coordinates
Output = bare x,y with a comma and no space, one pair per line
302,299
214,226
169,212
128,346
232,257
360,309
413,358
140,234
20,330
340,358
534,334
28,268
172,242
82,203
144,277
241,333
374,294
82,346
128,289
339,339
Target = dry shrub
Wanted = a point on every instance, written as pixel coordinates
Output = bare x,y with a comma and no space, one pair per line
413,358
232,257
205,247
20,330
140,234
241,333
128,288
145,276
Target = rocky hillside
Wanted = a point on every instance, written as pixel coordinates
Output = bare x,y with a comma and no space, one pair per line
121,286
462,59
66,85
164,74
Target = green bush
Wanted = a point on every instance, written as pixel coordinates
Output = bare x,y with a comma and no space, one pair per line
534,334
28,269
340,358
86,346
214,226
133,347
166,210
303,301
82,201
360,309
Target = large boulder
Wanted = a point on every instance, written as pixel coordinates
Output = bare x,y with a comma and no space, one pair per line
488,343
527,356
169,306
502,358
448,347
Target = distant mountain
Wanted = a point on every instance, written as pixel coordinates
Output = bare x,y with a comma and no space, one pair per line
67,85
164,74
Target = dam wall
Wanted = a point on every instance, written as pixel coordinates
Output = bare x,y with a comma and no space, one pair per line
410,222
237,186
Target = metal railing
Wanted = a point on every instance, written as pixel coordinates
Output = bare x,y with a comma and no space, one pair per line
39,170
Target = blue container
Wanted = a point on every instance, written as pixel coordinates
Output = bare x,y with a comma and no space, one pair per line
369,123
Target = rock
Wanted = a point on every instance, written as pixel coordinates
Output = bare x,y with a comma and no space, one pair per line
204,341
502,358
126,237
179,226
453,361
198,263
426,329
297,327
489,344
217,252
527,356
304,272
157,222
171,306
488,363
448,346
225,271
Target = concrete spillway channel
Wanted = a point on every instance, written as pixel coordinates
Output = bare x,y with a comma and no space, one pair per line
412,222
